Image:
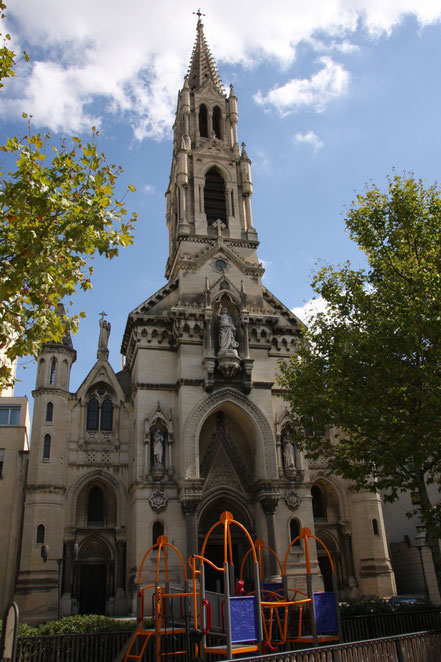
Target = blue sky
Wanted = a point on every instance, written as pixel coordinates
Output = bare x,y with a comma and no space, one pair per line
331,95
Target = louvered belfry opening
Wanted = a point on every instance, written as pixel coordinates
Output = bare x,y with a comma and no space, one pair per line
214,197
203,121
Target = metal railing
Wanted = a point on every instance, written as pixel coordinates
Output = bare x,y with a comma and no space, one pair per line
417,647
102,647
373,626
105,647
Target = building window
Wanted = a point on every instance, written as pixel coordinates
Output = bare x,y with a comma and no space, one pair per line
203,121
2,459
100,416
318,503
214,197
294,530
95,507
47,447
9,415
217,122
157,530
49,412
375,530
53,371
40,534
106,414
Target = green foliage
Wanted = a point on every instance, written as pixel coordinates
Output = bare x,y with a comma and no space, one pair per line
80,624
370,364
380,606
57,210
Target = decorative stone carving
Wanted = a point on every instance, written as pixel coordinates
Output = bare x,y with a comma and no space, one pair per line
158,501
268,495
293,499
190,495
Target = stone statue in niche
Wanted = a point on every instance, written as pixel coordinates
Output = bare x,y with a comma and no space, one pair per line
158,447
227,332
228,358
289,455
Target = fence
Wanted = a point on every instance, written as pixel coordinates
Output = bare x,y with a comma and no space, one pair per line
373,626
105,647
418,647
102,647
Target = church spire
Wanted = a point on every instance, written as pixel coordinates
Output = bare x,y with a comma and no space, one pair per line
202,66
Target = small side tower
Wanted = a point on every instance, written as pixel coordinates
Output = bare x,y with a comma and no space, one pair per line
47,478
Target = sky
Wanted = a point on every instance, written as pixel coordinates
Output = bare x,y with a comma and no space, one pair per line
333,94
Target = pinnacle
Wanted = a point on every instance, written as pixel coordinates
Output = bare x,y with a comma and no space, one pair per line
202,66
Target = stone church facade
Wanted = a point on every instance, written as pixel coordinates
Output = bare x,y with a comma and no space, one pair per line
194,424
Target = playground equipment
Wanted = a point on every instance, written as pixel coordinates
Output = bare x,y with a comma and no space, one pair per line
243,627
270,615
170,611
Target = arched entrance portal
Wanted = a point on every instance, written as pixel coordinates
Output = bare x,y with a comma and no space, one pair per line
94,575
214,550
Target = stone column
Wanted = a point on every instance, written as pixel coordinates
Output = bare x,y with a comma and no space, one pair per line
268,495
190,497
190,507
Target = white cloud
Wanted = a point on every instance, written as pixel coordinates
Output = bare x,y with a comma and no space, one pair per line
316,92
129,62
309,138
310,309
148,188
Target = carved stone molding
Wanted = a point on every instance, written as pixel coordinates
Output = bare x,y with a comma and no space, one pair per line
293,499
158,501
190,495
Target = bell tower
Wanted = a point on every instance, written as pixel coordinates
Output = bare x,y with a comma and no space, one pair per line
209,193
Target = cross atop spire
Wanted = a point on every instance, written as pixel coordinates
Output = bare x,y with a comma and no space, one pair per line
202,66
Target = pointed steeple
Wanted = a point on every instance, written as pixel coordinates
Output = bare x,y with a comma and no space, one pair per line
202,66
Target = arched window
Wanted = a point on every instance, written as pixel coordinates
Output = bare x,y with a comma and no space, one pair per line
375,530
318,503
95,507
40,534
106,414
53,371
217,122
100,416
49,412
93,414
294,530
47,447
203,121
157,530
214,197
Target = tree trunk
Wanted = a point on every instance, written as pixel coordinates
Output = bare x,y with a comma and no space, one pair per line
431,535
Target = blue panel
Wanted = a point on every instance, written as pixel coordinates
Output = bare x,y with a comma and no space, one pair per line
326,612
243,619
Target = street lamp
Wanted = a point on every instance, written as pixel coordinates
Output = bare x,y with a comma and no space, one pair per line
420,542
45,557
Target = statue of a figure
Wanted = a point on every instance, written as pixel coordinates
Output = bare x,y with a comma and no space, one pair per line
104,333
158,446
226,331
289,456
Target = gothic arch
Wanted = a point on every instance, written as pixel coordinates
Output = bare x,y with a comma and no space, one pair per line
226,175
97,476
266,464
329,483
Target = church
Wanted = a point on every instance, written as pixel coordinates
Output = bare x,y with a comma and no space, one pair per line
195,423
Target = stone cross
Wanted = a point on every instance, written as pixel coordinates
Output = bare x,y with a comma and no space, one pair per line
219,226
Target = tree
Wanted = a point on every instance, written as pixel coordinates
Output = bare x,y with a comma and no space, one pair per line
57,210
370,366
